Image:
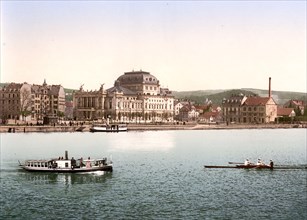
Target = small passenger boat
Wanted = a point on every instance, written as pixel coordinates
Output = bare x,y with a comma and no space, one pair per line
109,128
65,165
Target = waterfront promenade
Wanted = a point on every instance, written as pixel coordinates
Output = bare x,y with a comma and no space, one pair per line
144,127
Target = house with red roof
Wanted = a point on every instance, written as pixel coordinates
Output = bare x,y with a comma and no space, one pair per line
296,104
257,109
285,112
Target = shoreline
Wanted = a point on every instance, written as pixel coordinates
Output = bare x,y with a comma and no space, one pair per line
147,127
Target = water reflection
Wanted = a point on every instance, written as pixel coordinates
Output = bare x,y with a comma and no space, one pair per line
65,179
144,141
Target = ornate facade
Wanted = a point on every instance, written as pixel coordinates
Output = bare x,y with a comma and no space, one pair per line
135,97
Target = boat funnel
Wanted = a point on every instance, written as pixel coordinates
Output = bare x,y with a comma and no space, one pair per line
66,155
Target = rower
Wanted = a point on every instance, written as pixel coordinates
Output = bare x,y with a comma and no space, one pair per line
259,162
271,164
247,162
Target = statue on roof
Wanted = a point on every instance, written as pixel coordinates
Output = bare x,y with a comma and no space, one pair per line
44,84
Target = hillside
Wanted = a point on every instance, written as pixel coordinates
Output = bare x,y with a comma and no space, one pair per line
216,96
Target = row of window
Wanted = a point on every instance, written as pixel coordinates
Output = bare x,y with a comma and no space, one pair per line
10,95
37,164
253,109
233,109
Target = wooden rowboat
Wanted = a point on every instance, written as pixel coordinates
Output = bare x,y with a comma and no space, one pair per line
285,167
252,166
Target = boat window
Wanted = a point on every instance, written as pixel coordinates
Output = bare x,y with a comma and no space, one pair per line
66,164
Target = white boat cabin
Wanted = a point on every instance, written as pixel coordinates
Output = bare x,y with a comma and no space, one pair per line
63,163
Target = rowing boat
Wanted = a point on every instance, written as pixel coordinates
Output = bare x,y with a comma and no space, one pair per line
285,167
252,166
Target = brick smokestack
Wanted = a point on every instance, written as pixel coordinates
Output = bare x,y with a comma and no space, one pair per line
270,91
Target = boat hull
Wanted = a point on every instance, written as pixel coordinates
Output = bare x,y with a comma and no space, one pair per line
265,167
242,167
108,168
111,128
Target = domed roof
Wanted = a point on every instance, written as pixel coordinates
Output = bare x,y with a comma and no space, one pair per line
136,77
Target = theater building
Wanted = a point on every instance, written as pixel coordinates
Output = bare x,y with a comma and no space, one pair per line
135,97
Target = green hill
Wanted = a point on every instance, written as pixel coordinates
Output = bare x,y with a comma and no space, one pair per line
216,96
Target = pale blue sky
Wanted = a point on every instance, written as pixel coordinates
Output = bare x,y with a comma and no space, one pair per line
187,45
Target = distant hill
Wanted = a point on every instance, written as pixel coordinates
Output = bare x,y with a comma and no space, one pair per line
3,84
216,96
281,97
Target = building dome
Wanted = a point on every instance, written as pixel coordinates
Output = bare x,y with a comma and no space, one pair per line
137,77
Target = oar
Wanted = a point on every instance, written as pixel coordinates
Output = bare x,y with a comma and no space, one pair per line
235,163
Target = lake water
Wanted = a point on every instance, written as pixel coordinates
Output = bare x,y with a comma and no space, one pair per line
157,175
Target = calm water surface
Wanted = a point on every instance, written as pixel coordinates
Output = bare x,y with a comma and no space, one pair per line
157,175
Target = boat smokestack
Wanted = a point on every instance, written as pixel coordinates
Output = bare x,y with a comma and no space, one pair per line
270,91
66,155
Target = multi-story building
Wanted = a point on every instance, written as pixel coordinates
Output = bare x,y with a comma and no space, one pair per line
15,100
135,97
48,100
22,101
258,110
232,108
253,109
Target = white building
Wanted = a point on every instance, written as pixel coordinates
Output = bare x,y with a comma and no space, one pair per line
135,97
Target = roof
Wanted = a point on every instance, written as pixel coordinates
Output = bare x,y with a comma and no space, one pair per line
13,86
233,100
256,101
202,107
297,102
118,88
284,111
210,114
137,77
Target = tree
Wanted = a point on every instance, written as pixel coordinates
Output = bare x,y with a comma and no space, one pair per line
25,103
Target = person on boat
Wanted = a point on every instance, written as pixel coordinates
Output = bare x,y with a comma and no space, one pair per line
247,162
73,162
271,164
88,163
81,162
260,163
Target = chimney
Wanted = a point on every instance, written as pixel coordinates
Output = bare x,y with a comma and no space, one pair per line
270,91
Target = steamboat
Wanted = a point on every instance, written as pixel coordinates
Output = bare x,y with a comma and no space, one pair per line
65,165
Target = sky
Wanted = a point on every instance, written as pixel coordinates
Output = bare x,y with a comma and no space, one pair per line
187,45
